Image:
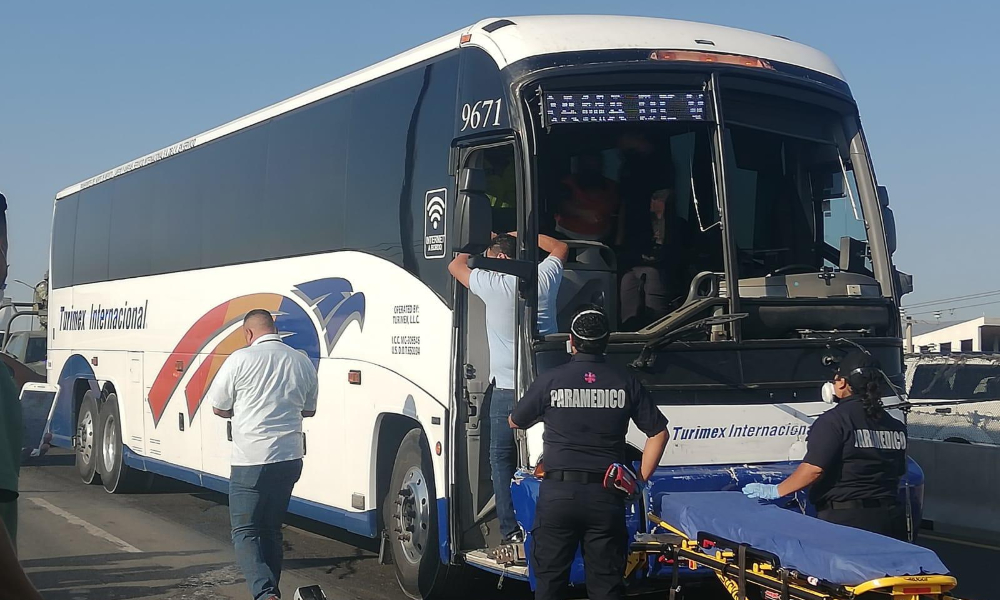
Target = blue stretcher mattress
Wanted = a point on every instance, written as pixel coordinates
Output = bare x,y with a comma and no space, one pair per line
838,554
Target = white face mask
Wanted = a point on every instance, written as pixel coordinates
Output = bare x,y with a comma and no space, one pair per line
827,391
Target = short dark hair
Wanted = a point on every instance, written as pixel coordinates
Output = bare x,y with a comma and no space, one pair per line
506,244
259,317
590,330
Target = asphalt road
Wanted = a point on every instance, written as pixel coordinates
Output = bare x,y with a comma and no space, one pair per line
79,543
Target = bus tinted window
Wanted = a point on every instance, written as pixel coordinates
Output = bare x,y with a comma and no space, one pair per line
278,189
174,214
90,261
428,151
230,175
63,241
379,122
306,173
130,225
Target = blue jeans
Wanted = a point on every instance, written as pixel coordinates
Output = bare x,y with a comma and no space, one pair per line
258,501
503,457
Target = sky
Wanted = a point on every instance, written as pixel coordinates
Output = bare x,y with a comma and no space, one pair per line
86,86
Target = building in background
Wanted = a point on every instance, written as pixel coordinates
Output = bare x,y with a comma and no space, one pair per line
977,335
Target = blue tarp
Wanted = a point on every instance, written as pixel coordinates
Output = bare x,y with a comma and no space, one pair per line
838,554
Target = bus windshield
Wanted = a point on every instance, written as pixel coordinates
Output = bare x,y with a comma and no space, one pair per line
792,194
647,192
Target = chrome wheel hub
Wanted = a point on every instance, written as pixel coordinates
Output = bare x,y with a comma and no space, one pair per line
109,444
412,517
86,434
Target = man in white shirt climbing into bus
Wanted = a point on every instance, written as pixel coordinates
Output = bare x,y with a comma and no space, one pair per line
499,292
267,389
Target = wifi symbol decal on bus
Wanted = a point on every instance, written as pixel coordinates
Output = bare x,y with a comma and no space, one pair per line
435,211
435,223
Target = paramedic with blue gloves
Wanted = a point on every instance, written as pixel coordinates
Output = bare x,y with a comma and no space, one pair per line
855,456
586,406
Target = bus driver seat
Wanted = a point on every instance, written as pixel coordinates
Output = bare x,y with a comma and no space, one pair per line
590,276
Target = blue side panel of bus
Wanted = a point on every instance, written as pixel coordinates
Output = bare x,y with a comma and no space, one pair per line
444,536
63,424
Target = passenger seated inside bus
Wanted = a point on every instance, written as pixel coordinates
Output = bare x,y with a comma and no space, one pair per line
794,213
638,210
649,288
588,201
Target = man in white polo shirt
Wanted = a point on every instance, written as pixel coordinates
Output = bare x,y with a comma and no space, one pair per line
499,292
267,389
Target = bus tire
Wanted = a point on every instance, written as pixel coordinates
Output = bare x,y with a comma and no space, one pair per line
87,431
117,477
409,517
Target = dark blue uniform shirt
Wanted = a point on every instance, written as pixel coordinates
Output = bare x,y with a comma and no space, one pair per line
586,405
862,457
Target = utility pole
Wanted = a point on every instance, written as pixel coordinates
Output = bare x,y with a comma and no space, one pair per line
909,334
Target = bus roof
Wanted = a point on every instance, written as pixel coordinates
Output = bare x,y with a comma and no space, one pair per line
508,40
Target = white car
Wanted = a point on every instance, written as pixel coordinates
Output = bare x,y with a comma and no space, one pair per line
960,394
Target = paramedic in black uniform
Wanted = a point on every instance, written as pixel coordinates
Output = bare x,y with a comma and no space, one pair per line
855,455
586,406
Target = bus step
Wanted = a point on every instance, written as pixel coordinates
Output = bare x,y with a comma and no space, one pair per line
481,560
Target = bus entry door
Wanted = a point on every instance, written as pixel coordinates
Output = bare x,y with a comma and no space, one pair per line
474,411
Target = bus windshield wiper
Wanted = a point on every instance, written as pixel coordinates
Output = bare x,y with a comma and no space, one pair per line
670,335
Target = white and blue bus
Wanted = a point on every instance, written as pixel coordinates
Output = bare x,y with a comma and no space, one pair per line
340,208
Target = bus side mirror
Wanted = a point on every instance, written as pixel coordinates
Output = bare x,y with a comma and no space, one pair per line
904,283
888,220
474,218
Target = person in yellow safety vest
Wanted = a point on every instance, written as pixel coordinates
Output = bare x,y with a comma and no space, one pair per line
501,189
589,209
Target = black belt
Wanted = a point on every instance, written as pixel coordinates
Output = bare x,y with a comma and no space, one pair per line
575,476
866,503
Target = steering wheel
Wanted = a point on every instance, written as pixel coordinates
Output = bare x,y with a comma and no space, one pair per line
793,268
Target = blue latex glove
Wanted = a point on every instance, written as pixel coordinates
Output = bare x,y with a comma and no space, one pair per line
761,491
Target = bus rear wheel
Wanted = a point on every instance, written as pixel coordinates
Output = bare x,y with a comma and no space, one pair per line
409,516
117,477
87,446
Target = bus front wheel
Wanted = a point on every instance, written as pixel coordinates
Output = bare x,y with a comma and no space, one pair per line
409,516
87,446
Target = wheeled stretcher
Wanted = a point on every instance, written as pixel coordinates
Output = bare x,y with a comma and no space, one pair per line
763,551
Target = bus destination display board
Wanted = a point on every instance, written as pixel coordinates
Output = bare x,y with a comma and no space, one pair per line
615,107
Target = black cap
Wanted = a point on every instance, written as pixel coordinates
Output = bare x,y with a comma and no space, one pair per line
859,368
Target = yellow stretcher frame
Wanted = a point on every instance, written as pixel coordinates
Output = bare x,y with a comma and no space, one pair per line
735,572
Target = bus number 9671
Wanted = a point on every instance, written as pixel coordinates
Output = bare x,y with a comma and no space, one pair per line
475,116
